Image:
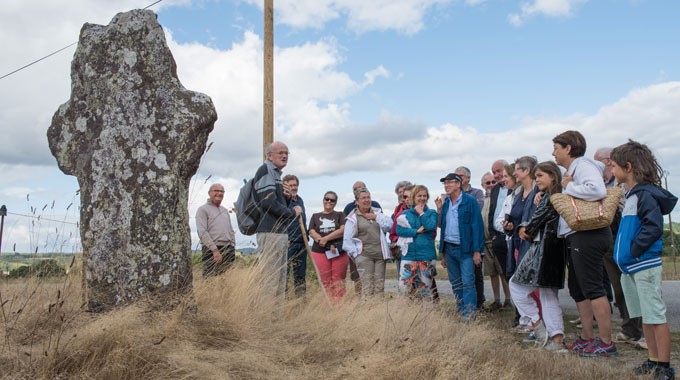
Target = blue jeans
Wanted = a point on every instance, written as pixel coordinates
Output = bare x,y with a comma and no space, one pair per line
461,271
297,265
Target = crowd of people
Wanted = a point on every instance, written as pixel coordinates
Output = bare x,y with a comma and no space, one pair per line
508,230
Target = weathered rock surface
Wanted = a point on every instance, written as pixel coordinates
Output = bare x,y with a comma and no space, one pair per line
133,136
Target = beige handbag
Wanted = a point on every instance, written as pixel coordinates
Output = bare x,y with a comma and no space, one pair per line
582,215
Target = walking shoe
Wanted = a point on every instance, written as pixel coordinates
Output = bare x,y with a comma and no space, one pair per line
645,368
664,373
576,321
531,338
623,338
492,306
579,344
599,348
538,334
641,344
541,333
558,348
521,329
507,303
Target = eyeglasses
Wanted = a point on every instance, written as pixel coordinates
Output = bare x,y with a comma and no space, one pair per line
217,191
329,200
282,153
405,196
490,182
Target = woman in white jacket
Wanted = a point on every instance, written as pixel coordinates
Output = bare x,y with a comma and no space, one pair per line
365,242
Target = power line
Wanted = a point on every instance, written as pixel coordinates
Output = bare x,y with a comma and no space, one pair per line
41,218
62,49
37,60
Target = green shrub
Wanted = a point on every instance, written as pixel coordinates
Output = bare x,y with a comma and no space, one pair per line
49,268
669,250
22,271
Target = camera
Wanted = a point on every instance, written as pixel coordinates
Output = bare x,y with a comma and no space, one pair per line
508,219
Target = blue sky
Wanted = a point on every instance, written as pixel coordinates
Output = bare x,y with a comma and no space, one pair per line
381,91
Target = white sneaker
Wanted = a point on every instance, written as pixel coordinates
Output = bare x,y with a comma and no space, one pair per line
622,338
641,344
541,333
558,348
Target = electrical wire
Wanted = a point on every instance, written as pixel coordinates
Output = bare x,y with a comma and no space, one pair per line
57,51
41,218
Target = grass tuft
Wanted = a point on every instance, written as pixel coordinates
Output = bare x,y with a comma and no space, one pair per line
233,329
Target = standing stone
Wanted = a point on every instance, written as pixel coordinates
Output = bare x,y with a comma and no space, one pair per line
133,136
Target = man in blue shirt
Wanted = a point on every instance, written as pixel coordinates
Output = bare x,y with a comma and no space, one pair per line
461,242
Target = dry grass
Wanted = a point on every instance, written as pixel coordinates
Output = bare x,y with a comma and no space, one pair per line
232,330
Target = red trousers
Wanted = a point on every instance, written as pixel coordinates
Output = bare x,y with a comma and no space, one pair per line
333,273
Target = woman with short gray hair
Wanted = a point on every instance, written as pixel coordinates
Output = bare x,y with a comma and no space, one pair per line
365,242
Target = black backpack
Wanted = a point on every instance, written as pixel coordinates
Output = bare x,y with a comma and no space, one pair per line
248,213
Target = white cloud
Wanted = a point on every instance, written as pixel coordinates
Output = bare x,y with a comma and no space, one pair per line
30,30
370,76
404,16
548,8
313,111
309,97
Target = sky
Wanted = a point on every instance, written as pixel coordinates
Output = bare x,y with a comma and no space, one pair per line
380,91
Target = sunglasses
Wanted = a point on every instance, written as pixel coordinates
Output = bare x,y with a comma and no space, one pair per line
490,182
330,200
405,196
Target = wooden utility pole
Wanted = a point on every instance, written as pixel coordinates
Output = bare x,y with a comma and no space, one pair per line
268,126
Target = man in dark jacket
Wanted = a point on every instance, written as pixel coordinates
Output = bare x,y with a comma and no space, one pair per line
297,245
272,232
499,246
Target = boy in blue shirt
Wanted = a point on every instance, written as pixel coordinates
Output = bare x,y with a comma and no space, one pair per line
637,250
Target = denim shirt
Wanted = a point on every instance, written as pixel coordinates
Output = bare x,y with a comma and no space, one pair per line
452,232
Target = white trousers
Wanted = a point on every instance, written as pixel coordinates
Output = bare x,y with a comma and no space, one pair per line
528,309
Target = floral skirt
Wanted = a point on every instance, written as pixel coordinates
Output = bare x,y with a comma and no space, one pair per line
415,278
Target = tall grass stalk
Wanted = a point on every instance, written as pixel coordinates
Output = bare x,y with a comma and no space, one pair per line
233,329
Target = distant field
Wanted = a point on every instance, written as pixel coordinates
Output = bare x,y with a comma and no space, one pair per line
10,262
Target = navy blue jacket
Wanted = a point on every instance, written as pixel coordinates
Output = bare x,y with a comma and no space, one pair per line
294,232
638,242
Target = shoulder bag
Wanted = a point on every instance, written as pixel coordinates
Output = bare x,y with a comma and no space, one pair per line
582,215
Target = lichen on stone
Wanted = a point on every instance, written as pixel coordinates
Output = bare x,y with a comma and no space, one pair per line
120,134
